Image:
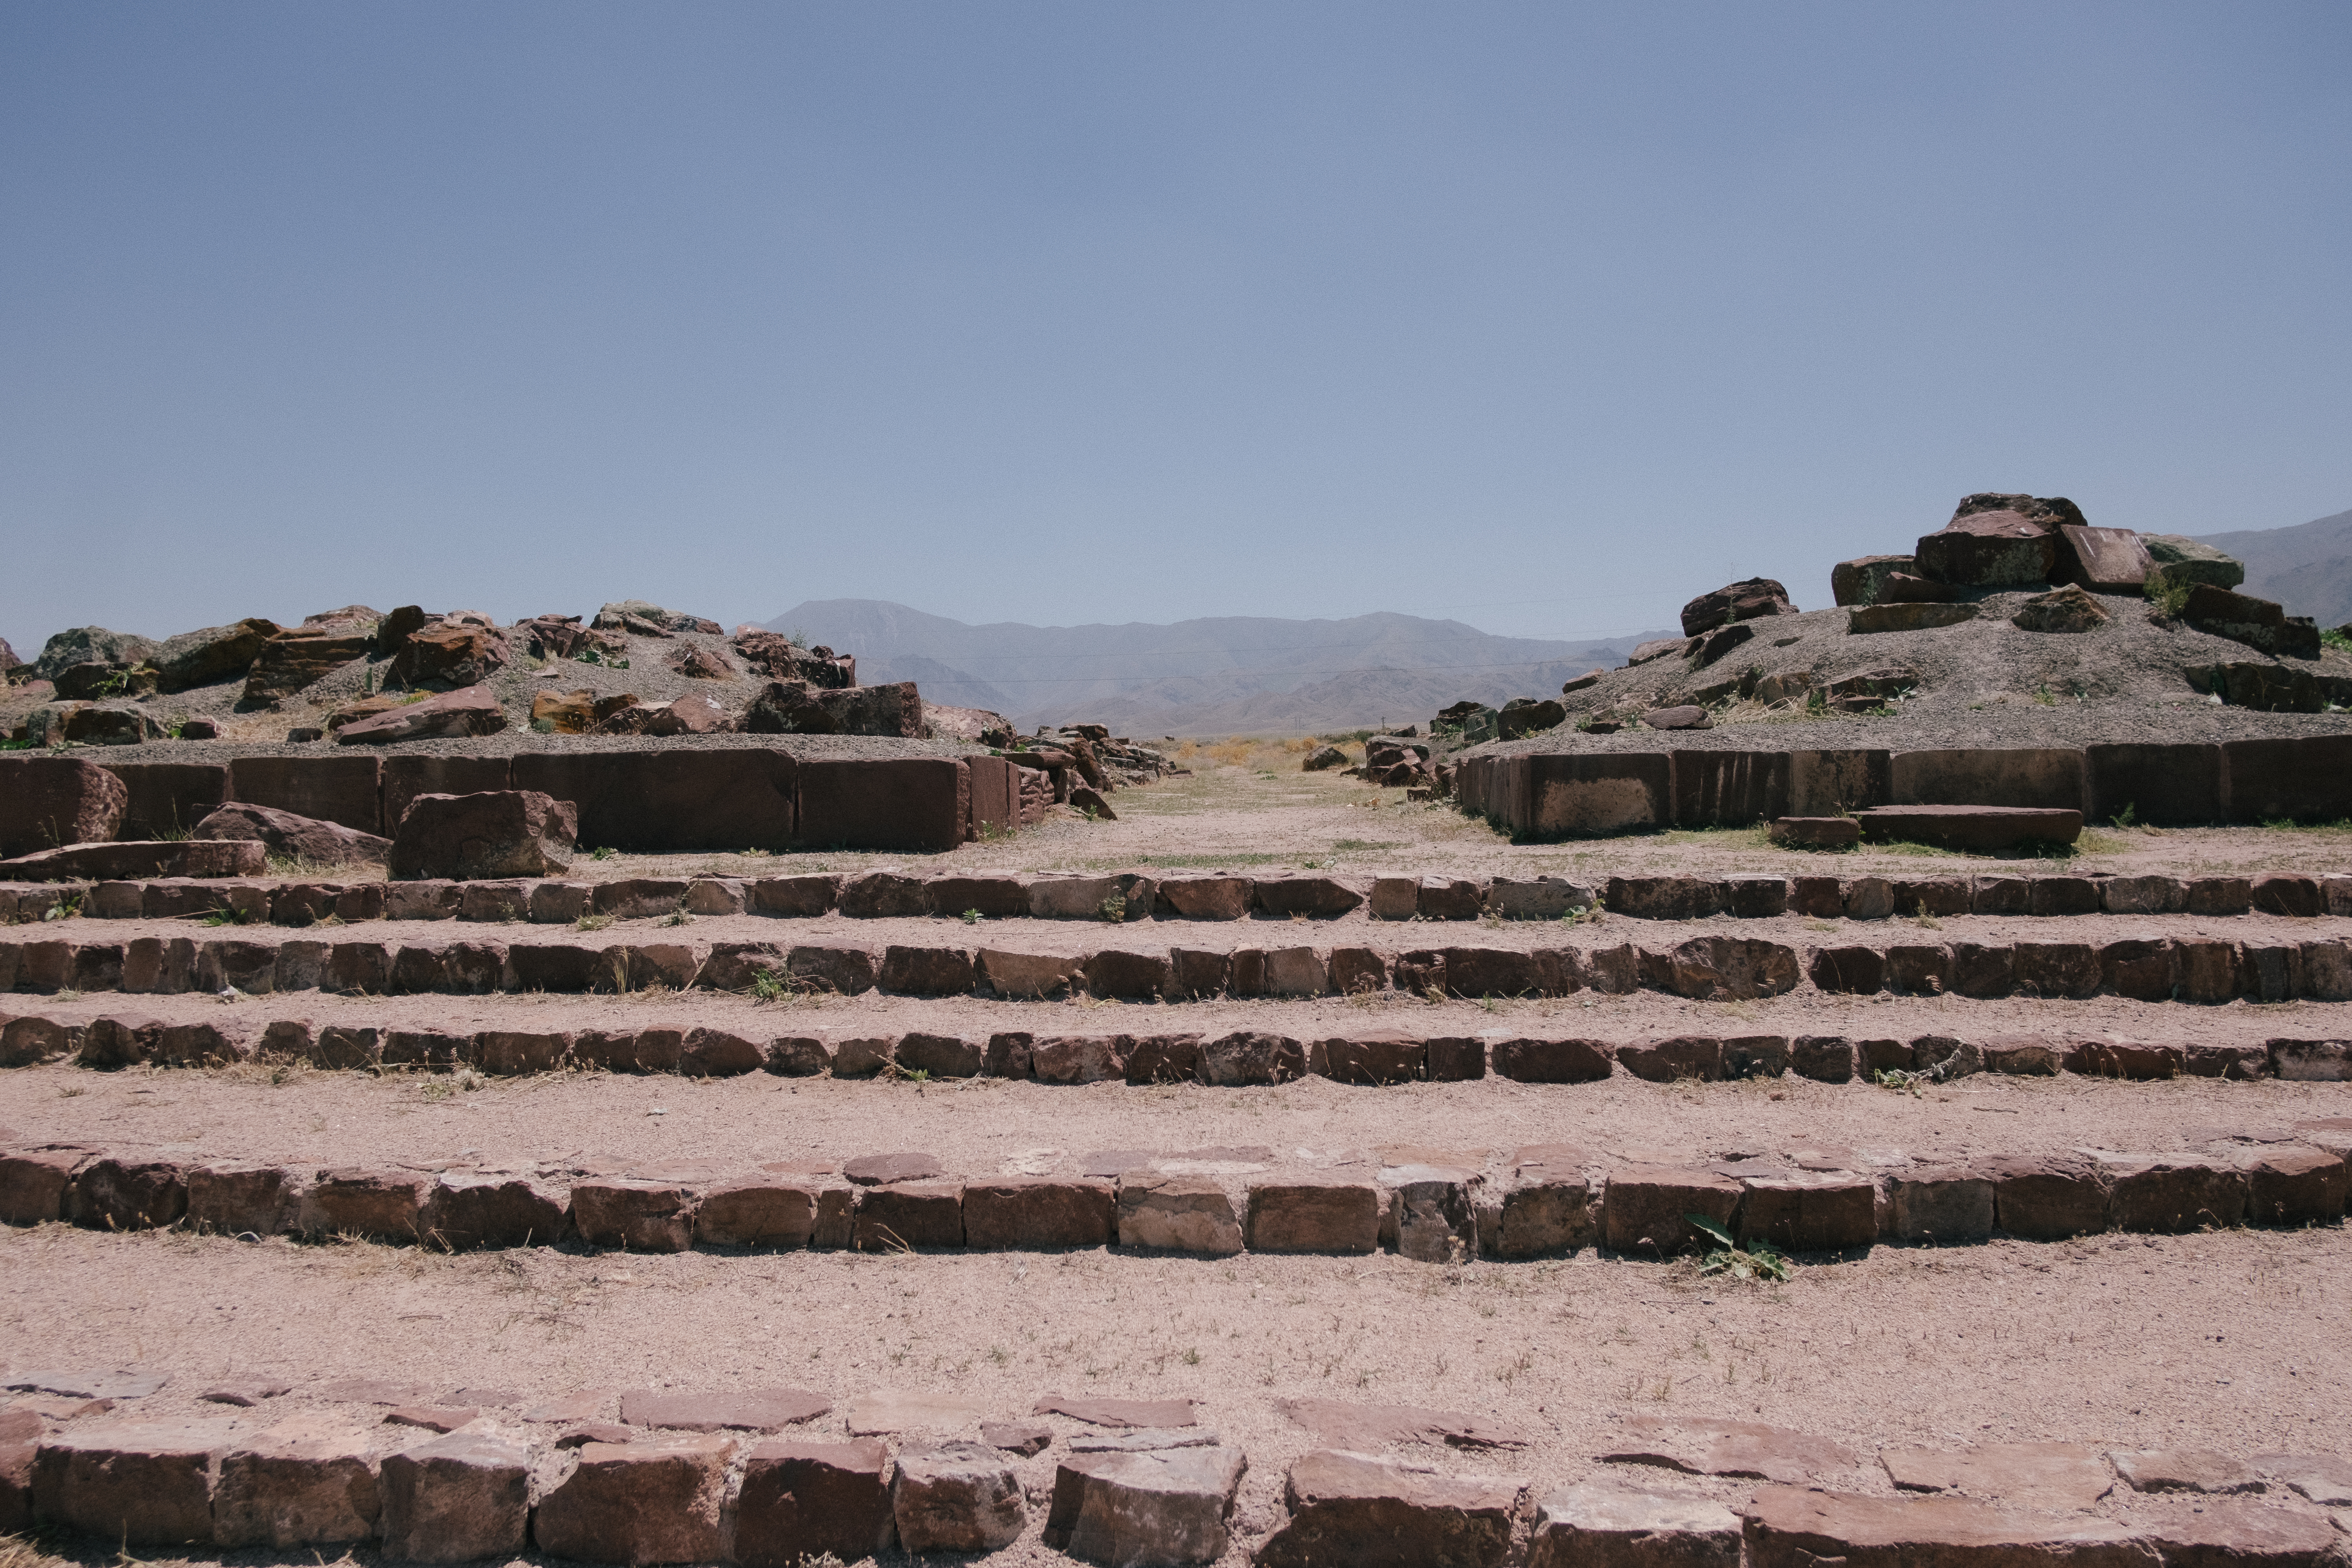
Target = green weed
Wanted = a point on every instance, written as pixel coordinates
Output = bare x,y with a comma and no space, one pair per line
1760,1261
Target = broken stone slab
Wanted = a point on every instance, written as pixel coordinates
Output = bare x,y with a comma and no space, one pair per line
1601,1526
748,1410
484,837
302,838
2052,1476
469,711
1375,1514
194,859
1152,1509
1023,1438
2237,1532
1117,1412
2323,1478
2068,610
956,1497
1338,1424
91,1382
1814,832
640,1502
802,1500
2183,1470
1171,1213
1867,620
1791,1528
1137,1440
1705,1447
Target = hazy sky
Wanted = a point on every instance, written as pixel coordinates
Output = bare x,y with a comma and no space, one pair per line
1544,318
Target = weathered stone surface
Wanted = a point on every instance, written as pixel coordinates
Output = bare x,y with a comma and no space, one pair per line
1148,1510
1997,541
2044,1197
310,1480
1644,1205
1747,600
885,1411
2104,560
85,862
956,1497
1207,898
482,1208
1794,1528
2183,1470
2061,610
909,1214
1687,716
131,1481
1550,1061
302,838
298,656
1371,1513
2295,1185
802,1500
739,1410
1360,1429
640,1502
1981,828
1810,1212
1727,968
2323,1478
1702,1447
635,1215
1252,1057
2171,1191
1940,1204
497,834
1039,1213
1313,1214
797,708
1177,1214
1601,1526
2054,1476
458,650
1129,1413
2233,1532
470,710
1317,897
2182,560
50,802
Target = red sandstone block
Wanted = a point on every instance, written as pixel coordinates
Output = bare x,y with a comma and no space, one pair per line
1038,1214
802,1500
674,801
1644,1205
635,1215
903,803
344,789
144,1483
909,1214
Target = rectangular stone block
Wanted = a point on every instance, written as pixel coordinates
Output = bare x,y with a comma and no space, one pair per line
1943,1204
801,1502
1177,1214
802,897
2305,779
2166,786
457,1499
1374,1056
1729,789
344,789
309,1480
2015,776
1642,1208
1038,1214
134,1483
1810,1212
1832,783
2044,1197
2172,1193
1313,1214
672,802
1593,794
916,803
909,1215
168,799
757,1211
1551,1060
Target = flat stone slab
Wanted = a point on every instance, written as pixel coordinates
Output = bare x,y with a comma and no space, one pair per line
1141,1439
1600,1526
1340,1424
1730,1448
1979,827
2183,1470
876,1170
1125,1509
753,1410
91,1383
195,857
1788,1527
885,1411
2324,1479
2029,1474
1117,1412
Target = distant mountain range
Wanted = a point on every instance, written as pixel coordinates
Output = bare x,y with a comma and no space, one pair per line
1228,674
2308,568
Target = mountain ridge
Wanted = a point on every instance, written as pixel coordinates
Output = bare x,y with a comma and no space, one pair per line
1209,675
2307,567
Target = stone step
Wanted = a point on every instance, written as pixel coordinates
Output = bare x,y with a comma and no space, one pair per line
1434,1205
771,1476
1144,895
191,1031
1983,958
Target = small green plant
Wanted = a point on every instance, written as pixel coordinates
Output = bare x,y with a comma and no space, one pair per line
2167,599
227,915
2336,637
1897,1079
605,852
797,638
591,922
2043,695
67,906
1925,921
2278,822
1113,909
2128,816
770,985
677,917
972,917
1761,1260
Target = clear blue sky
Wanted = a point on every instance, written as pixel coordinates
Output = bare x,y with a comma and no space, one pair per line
1542,317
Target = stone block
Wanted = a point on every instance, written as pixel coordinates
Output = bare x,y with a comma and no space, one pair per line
918,803
1032,974
1366,1512
2170,1193
1732,968
1602,1526
644,1501
1177,1214
1825,1059
2146,970
1136,976
2294,1185
133,1482
346,789
2307,778
1537,898
1810,1212
2168,785
1078,1058
1543,1210
1852,970
910,1215
744,1410
1251,1057
457,1499
384,1204
995,897
2046,779
925,970
168,798
1682,1057
1316,897
1163,1058
2125,1059
674,801
634,1215
1729,789
1550,1061
1869,620
956,1497
1643,1207
484,1208
1945,1206
1455,1059
1394,898
885,895
757,1211
802,1500
1595,795
1374,1057
1679,897
307,1481
1148,1510
509,1053
2058,969
803,898
1313,1214
1206,897
1483,972
1790,1527
2044,1197
1038,1214
46,802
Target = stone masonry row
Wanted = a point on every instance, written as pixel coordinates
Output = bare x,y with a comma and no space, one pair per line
707,1479
2196,969
1238,1059
1132,896
1541,1200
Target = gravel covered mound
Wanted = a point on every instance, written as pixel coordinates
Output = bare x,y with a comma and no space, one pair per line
1984,682
516,742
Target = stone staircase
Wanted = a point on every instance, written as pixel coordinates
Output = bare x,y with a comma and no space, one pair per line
1145,1219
